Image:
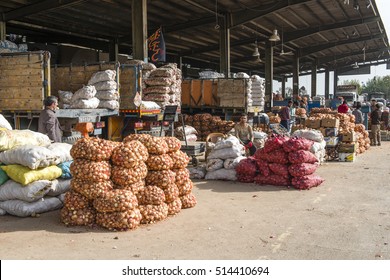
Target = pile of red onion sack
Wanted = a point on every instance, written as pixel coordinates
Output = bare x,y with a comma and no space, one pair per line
283,161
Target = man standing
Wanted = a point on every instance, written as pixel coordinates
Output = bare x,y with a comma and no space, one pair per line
376,126
48,123
285,115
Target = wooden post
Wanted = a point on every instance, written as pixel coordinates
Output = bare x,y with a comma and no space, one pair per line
313,79
224,43
296,77
139,18
2,31
284,86
113,49
269,72
327,83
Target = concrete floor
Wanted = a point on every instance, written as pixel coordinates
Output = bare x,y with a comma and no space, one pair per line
346,218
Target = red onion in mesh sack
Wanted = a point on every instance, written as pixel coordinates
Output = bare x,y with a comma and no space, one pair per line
247,167
275,142
273,179
302,156
277,156
263,167
307,182
279,169
302,169
296,144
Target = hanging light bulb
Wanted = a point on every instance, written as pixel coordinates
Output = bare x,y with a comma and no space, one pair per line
275,36
256,51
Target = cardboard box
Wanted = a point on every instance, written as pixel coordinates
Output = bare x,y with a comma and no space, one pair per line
348,136
329,131
331,141
313,123
347,157
330,123
347,148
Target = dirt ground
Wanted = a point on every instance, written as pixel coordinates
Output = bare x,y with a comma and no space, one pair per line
346,218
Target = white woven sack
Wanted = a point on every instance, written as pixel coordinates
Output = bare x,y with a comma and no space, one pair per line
107,85
59,186
4,123
65,96
111,94
24,209
31,156
2,212
86,92
109,104
61,151
12,190
222,174
92,103
102,76
214,164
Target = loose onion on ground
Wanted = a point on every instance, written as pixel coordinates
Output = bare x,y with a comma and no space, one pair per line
91,189
115,201
125,220
80,217
90,170
153,213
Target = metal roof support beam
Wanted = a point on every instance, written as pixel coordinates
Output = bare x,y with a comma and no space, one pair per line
224,41
327,83
313,79
335,81
284,79
113,50
38,8
269,72
3,31
290,36
139,17
296,77
311,50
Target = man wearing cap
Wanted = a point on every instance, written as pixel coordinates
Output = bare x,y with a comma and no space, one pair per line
48,123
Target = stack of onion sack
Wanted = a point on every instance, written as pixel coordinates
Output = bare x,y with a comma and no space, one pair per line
303,163
272,161
157,161
185,199
246,170
91,173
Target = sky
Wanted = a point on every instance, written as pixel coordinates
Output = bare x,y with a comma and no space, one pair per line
380,70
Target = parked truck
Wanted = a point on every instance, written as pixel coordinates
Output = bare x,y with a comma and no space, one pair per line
350,93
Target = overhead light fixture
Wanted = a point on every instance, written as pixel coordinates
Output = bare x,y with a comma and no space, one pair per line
346,2
256,51
258,60
274,37
356,5
355,65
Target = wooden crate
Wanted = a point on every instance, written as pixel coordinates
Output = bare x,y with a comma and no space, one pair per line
198,93
24,81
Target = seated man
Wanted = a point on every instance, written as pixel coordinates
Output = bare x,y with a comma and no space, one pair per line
244,132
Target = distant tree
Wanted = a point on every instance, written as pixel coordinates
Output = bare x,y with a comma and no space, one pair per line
378,84
354,82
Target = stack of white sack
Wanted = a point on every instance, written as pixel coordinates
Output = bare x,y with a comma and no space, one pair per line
106,89
84,98
259,139
31,181
65,99
258,91
249,96
223,158
4,124
189,133
318,148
